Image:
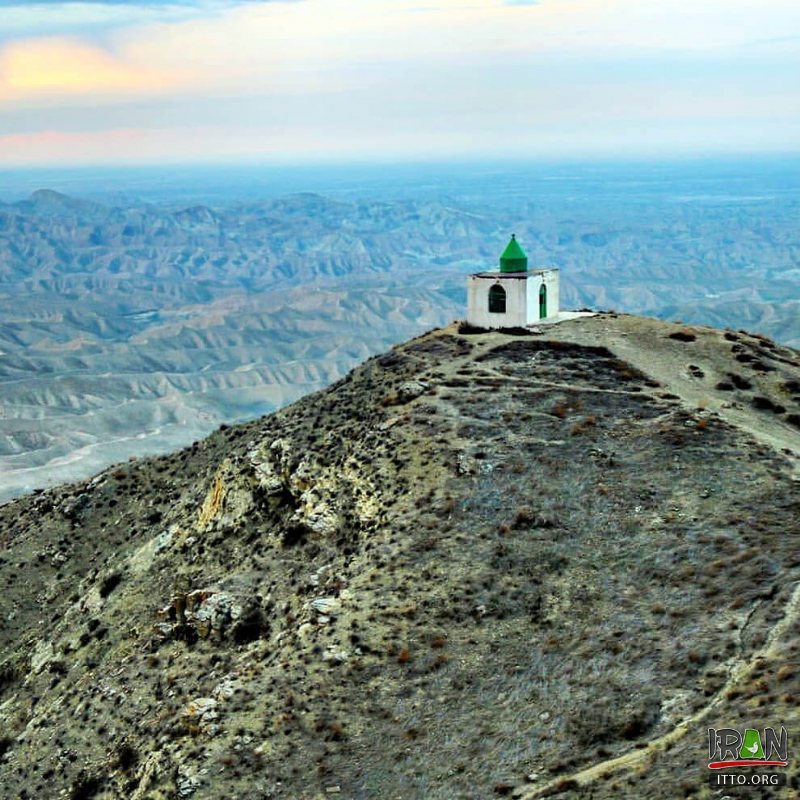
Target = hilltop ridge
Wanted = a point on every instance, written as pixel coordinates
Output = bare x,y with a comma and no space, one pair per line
478,565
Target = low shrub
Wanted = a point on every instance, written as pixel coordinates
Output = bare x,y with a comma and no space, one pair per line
765,404
739,381
465,329
515,331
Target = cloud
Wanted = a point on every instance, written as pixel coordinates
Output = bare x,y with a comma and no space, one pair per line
140,3
57,66
95,19
229,79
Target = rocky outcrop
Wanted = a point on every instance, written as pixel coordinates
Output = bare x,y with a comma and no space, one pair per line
314,492
229,499
231,611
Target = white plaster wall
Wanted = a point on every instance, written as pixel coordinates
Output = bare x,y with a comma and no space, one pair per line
550,279
478,302
553,293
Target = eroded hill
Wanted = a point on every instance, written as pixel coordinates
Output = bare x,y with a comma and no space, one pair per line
479,565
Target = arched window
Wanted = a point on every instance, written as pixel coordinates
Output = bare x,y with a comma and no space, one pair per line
543,302
497,300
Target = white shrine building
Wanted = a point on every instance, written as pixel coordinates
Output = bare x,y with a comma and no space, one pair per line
513,296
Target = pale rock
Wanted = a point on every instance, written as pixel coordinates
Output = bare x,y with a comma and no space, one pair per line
464,464
303,474
203,708
149,775
163,629
335,654
410,390
144,557
315,515
325,605
42,656
188,786
218,612
91,602
225,690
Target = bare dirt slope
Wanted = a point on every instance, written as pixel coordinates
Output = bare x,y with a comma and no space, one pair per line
480,565
730,373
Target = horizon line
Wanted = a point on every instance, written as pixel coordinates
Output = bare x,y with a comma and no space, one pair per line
476,160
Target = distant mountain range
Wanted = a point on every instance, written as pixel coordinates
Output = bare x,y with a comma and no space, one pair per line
135,328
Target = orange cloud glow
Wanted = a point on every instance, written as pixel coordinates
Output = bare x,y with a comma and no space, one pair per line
59,66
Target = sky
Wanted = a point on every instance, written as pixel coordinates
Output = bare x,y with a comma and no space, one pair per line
303,81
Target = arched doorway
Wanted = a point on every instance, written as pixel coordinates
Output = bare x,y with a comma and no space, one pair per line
542,302
497,300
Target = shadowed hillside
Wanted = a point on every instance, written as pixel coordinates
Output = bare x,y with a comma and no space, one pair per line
477,566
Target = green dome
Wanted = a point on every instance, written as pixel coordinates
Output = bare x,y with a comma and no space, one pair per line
513,258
